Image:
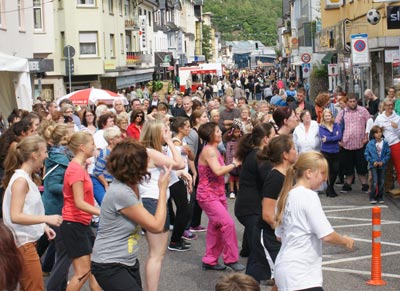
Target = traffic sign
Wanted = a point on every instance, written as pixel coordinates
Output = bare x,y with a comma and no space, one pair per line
306,70
69,51
306,58
359,49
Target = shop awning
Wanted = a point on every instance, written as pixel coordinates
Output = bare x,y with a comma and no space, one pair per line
201,72
327,58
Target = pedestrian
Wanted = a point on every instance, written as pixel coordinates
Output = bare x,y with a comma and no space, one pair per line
237,282
78,209
377,154
114,261
23,210
221,232
154,135
232,138
330,134
281,152
10,258
301,225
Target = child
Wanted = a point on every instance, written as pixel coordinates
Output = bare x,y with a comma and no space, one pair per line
237,282
231,138
301,225
377,154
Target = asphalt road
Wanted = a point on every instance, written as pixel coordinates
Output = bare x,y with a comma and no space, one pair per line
343,270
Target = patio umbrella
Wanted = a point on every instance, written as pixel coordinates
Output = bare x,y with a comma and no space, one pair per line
92,96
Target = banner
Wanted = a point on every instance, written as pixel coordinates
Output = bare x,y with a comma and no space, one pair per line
393,17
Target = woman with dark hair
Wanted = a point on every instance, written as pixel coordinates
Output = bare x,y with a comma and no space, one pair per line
89,120
136,124
254,170
10,260
285,119
197,118
115,252
282,154
221,232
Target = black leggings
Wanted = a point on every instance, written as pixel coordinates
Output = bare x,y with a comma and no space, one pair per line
179,195
312,289
333,163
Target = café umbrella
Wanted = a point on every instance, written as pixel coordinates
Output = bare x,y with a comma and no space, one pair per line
93,96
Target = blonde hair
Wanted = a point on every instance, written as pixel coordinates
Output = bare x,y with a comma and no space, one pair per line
307,161
237,282
78,139
57,134
151,134
323,122
214,112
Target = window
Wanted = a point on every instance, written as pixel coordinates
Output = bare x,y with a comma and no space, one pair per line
112,45
120,7
149,18
140,11
127,8
2,16
62,40
121,38
21,22
37,15
111,6
85,2
88,43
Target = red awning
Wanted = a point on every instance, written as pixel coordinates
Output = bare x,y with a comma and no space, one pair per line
201,72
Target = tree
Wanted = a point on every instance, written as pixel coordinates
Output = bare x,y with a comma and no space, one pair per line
206,43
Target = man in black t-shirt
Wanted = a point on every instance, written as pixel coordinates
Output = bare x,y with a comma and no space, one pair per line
373,102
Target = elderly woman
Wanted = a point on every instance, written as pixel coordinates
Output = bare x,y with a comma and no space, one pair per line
244,121
306,134
122,121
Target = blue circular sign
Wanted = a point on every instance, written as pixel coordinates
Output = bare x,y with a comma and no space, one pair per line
359,45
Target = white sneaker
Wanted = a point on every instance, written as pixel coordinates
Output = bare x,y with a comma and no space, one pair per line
232,195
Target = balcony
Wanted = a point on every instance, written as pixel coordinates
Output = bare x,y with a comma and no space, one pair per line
137,59
131,24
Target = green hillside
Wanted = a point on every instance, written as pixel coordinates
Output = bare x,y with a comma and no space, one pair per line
245,19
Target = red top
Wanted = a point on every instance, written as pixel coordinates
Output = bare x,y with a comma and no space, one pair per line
134,131
75,173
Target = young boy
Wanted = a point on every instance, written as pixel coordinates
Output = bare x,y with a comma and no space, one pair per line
377,154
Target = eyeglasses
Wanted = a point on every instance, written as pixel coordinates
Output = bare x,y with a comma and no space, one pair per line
68,111
89,115
390,105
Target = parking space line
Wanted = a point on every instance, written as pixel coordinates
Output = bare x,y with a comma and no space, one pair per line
359,219
363,224
351,271
382,242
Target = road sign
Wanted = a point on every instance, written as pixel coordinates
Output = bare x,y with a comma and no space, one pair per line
306,58
69,51
306,70
359,49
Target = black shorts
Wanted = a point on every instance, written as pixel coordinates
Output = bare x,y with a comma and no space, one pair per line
117,277
151,206
354,159
78,238
313,289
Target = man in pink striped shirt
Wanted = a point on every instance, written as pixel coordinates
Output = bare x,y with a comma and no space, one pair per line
353,142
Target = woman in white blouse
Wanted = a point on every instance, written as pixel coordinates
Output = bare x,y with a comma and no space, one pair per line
306,134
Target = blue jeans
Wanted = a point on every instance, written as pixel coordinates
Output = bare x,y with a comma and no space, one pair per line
378,181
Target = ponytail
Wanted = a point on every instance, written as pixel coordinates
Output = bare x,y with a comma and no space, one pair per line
283,195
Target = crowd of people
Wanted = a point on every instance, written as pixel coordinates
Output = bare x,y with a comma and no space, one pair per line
90,179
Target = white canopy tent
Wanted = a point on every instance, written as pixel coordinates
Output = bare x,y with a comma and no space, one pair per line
15,84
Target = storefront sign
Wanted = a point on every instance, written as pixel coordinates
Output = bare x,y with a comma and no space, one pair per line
109,65
359,49
333,4
393,17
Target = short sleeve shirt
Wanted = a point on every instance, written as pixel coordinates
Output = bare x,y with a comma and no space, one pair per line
117,236
75,173
299,262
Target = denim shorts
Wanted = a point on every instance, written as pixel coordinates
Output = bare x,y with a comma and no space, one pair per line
151,206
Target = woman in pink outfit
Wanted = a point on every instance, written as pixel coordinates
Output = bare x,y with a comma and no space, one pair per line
221,232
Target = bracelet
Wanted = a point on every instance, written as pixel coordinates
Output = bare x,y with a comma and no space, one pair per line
234,164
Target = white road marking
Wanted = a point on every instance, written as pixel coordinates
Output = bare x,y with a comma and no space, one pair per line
351,271
353,259
382,243
363,224
359,219
355,208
